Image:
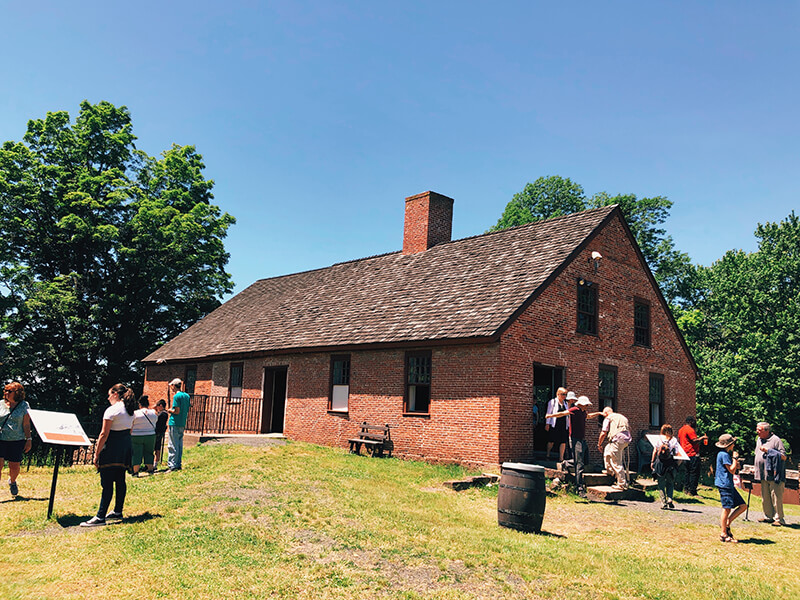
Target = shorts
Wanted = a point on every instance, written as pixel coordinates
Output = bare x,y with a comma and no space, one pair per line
730,498
12,450
142,447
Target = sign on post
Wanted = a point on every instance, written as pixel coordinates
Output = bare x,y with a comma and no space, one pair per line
58,429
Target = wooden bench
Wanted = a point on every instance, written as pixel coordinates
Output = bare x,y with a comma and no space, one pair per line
374,438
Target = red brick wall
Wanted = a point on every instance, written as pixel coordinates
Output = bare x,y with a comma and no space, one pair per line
545,333
461,426
428,221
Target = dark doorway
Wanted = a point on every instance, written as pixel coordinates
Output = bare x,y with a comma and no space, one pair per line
274,399
546,380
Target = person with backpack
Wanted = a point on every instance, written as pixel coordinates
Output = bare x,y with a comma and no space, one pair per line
664,464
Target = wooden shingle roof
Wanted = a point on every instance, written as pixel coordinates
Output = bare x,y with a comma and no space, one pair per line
460,290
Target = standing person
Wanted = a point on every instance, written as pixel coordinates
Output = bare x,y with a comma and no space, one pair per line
770,470
143,436
617,431
690,442
557,428
577,433
663,465
112,455
177,424
727,466
15,432
161,429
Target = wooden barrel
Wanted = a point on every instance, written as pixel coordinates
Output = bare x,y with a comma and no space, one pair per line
521,497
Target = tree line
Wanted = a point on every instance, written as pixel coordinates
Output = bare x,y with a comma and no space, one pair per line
740,316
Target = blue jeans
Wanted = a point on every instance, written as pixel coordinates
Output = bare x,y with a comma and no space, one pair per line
175,454
581,451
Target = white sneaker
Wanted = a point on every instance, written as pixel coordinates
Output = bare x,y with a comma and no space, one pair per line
94,522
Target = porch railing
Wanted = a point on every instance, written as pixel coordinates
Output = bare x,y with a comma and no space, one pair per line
221,414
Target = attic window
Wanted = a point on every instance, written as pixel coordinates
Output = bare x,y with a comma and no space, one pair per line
418,382
641,323
587,307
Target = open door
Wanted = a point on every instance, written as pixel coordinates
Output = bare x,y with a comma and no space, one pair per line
273,406
546,380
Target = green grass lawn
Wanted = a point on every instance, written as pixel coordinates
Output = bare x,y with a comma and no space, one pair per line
302,521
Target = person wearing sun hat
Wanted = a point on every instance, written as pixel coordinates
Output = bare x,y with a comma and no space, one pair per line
732,503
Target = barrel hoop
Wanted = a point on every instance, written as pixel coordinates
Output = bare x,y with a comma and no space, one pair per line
523,474
514,487
516,513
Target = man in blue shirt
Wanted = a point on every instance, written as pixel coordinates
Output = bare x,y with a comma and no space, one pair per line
177,424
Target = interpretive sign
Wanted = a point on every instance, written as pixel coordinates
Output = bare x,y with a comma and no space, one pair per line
62,429
59,429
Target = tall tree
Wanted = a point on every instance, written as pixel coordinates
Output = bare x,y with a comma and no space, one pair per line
744,334
105,252
554,196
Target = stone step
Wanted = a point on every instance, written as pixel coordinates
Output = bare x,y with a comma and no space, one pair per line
606,493
645,484
598,479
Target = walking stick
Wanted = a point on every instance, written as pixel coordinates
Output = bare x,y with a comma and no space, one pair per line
747,512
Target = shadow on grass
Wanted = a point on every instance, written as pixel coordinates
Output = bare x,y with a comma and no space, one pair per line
552,535
75,520
756,541
23,499
690,500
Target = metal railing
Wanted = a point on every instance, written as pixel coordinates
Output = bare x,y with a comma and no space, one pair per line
221,414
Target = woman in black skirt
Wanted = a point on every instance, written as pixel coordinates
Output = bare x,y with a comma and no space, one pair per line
112,455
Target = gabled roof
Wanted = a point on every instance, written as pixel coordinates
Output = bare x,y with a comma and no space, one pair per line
467,289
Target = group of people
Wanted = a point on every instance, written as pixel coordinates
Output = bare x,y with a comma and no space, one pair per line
128,437
566,428
132,435
566,421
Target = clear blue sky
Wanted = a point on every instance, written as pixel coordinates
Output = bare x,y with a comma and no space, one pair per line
316,119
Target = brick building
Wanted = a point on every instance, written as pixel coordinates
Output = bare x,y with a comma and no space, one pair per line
452,343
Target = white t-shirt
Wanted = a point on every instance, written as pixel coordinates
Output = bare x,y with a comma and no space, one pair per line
144,422
119,417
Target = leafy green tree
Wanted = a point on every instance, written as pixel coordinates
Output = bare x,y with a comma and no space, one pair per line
546,197
744,335
105,253
554,196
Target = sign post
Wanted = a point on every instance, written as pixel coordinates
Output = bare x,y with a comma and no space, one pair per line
61,430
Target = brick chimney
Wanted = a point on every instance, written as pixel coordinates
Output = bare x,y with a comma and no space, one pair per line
429,221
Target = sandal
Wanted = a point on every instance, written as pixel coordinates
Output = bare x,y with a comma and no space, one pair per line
730,537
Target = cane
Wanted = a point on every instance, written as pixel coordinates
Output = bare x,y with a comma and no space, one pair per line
747,512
